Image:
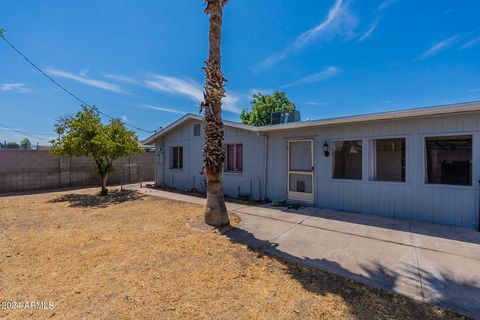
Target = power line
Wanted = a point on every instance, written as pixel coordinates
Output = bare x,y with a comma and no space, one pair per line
62,87
21,132
8,136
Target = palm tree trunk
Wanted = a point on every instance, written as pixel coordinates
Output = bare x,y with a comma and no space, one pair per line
215,210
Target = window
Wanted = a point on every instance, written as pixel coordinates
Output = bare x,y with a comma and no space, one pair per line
347,160
449,160
234,157
196,130
176,158
388,159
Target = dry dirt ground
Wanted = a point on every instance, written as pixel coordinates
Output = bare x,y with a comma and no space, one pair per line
129,256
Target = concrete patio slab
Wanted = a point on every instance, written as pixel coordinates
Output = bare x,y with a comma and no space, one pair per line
430,263
169,195
398,231
456,241
450,281
359,259
182,197
273,213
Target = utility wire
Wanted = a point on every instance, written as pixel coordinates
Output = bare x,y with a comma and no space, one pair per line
62,87
21,132
8,136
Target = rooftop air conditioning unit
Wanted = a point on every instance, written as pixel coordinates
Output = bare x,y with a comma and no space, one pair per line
285,116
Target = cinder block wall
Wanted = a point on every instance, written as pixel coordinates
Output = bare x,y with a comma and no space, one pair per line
22,170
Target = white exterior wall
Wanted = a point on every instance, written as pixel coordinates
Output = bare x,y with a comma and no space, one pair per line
413,199
189,177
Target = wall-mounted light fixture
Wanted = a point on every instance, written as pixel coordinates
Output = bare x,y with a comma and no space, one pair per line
326,152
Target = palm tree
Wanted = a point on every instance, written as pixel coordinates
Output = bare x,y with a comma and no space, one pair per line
215,210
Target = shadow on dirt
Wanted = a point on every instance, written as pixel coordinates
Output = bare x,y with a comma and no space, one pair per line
79,200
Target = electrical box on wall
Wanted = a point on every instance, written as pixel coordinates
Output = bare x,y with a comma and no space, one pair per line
160,154
160,157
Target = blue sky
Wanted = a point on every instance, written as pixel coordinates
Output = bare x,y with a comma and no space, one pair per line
141,60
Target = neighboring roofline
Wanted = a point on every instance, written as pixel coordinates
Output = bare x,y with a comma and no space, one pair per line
190,116
390,115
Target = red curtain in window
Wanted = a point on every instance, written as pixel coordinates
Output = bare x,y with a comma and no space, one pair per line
174,158
239,157
230,157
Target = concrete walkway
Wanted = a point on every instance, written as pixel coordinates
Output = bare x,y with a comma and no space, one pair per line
431,263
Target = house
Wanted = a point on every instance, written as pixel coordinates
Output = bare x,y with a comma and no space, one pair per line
421,164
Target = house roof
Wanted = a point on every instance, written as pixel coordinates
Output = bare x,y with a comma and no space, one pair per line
191,116
390,115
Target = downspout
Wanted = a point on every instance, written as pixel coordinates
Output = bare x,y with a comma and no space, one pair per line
159,162
163,162
155,167
265,168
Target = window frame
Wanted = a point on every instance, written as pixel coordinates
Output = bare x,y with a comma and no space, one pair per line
225,163
332,156
424,180
171,160
199,129
372,151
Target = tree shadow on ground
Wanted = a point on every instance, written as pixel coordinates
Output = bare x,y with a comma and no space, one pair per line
80,200
359,290
446,283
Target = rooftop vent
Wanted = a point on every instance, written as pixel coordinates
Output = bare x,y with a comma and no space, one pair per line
285,116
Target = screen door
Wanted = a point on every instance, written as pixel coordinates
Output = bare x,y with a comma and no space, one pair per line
300,171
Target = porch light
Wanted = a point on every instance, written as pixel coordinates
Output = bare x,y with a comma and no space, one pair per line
325,149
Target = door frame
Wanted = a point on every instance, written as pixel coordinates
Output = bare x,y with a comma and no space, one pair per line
293,196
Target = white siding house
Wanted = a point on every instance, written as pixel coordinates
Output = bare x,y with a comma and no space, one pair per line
421,164
188,134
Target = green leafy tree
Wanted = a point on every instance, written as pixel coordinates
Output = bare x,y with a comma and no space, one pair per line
26,144
262,105
84,135
13,145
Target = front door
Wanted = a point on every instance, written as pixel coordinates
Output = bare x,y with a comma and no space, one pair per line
300,171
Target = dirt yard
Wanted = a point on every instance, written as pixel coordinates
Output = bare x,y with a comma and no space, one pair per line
129,256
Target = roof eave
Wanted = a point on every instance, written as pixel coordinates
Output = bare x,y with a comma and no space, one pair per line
392,115
189,116
179,121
